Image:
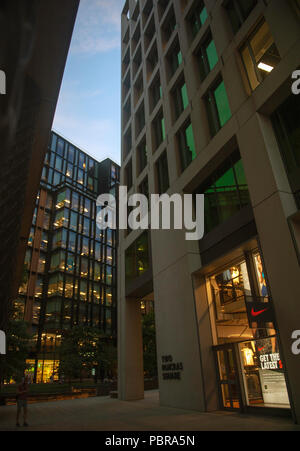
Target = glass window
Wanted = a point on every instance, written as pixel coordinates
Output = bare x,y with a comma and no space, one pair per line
44,241
207,57
83,290
71,154
61,218
80,177
238,11
137,258
70,263
42,262
58,261
56,178
226,192
73,221
142,156
39,287
85,246
97,251
128,175
69,287
60,147
162,172
53,141
27,260
97,272
86,226
197,18
174,59
72,241
159,132
31,236
187,148
63,199
75,201
46,221
55,286
259,55
81,161
58,163
263,371
286,124
69,172
180,99
218,108
60,239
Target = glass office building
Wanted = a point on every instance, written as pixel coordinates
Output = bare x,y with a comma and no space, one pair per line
70,264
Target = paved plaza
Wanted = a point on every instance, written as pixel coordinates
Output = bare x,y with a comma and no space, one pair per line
106,414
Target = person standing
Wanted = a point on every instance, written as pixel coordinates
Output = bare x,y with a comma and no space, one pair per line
22,394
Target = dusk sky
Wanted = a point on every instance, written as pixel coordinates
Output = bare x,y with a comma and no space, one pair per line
88,110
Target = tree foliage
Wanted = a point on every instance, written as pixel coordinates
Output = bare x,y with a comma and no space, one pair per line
18,340
149,345
83,349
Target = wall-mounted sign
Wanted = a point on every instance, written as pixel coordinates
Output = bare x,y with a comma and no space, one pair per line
171,370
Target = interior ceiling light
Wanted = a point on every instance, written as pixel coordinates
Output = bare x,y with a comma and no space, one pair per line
265,67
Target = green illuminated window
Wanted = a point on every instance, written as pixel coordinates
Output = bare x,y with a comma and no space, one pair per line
186,145
226,192
180,99
137,258
207,56
197,18
218,108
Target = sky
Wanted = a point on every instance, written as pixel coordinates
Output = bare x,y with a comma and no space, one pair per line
88,108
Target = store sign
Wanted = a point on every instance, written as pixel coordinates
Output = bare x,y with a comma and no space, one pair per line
259,312
270,361
171,370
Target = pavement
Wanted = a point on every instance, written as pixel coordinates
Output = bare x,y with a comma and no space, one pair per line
107,414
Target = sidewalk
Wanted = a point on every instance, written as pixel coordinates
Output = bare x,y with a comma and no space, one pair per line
106,414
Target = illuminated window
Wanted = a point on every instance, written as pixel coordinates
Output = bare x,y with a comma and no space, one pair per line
259,55
226,192
206,56
137,258
218,108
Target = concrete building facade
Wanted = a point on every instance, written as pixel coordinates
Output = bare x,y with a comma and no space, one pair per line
207,107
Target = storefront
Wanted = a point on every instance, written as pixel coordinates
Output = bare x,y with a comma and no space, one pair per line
47,370
250,372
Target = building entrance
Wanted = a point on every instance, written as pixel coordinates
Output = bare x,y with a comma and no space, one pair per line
228,380
250,372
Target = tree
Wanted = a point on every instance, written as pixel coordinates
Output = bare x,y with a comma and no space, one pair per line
84,349
13,364
149,345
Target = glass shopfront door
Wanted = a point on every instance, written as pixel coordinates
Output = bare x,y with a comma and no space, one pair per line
249,367
228,380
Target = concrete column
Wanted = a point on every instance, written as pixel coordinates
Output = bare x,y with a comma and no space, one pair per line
130,349
176,322
273,203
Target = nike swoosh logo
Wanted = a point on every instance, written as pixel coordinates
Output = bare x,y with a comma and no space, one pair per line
260,349
253,313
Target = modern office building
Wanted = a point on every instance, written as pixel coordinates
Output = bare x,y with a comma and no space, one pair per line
70,263
207,108
35,39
